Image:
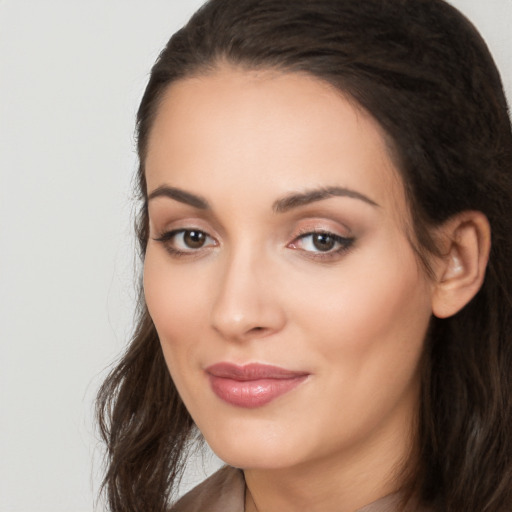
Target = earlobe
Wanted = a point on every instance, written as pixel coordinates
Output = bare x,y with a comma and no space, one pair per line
460,271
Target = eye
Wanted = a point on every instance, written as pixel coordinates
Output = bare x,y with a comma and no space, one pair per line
191,239
184,241
321,242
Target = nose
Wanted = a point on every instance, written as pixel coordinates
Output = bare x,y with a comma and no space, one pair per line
247,303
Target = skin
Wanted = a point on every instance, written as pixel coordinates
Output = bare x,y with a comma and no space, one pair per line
259,290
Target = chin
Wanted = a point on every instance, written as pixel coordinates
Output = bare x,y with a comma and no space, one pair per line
262,451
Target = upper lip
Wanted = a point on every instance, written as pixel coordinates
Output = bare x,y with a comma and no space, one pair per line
252,371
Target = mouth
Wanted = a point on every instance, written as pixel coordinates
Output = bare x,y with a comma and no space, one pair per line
252,385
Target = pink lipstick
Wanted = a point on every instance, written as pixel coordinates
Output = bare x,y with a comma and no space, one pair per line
252,385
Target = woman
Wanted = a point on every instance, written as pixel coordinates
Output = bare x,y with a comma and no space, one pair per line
321,301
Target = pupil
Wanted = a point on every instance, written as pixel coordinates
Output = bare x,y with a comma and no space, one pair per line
194,239
323,242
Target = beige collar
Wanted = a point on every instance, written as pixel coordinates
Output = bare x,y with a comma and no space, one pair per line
224,491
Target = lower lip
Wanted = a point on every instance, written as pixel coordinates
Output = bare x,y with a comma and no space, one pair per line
252,393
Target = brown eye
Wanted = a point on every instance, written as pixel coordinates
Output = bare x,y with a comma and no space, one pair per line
320,242
323,242
186,241
194,239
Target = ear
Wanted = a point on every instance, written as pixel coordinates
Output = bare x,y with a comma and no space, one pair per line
465,241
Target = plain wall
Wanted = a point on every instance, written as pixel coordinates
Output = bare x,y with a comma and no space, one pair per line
71,76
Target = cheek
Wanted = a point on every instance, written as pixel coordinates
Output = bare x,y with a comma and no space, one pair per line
365,335
176,305
371,317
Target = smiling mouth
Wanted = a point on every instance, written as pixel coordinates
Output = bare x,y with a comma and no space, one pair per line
252,385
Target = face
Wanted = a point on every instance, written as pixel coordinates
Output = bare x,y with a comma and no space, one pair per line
289,303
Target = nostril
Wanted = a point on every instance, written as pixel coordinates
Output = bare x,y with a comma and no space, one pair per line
257,331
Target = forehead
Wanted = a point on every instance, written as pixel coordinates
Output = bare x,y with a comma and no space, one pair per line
288,130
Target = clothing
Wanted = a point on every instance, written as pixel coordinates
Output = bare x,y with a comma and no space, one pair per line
224,491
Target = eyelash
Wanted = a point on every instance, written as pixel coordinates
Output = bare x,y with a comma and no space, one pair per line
344,243
167,238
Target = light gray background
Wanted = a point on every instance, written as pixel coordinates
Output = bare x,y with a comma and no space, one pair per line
71,76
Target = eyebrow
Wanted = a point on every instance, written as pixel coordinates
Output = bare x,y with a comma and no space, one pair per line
282,205
180,195
311,196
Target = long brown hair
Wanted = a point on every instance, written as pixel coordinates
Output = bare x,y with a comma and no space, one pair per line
424,73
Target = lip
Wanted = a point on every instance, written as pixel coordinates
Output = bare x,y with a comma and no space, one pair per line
252,385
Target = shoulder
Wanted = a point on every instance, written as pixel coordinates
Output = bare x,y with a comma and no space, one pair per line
224,491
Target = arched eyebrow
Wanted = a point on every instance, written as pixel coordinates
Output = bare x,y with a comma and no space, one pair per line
180,195
281,205
296,200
